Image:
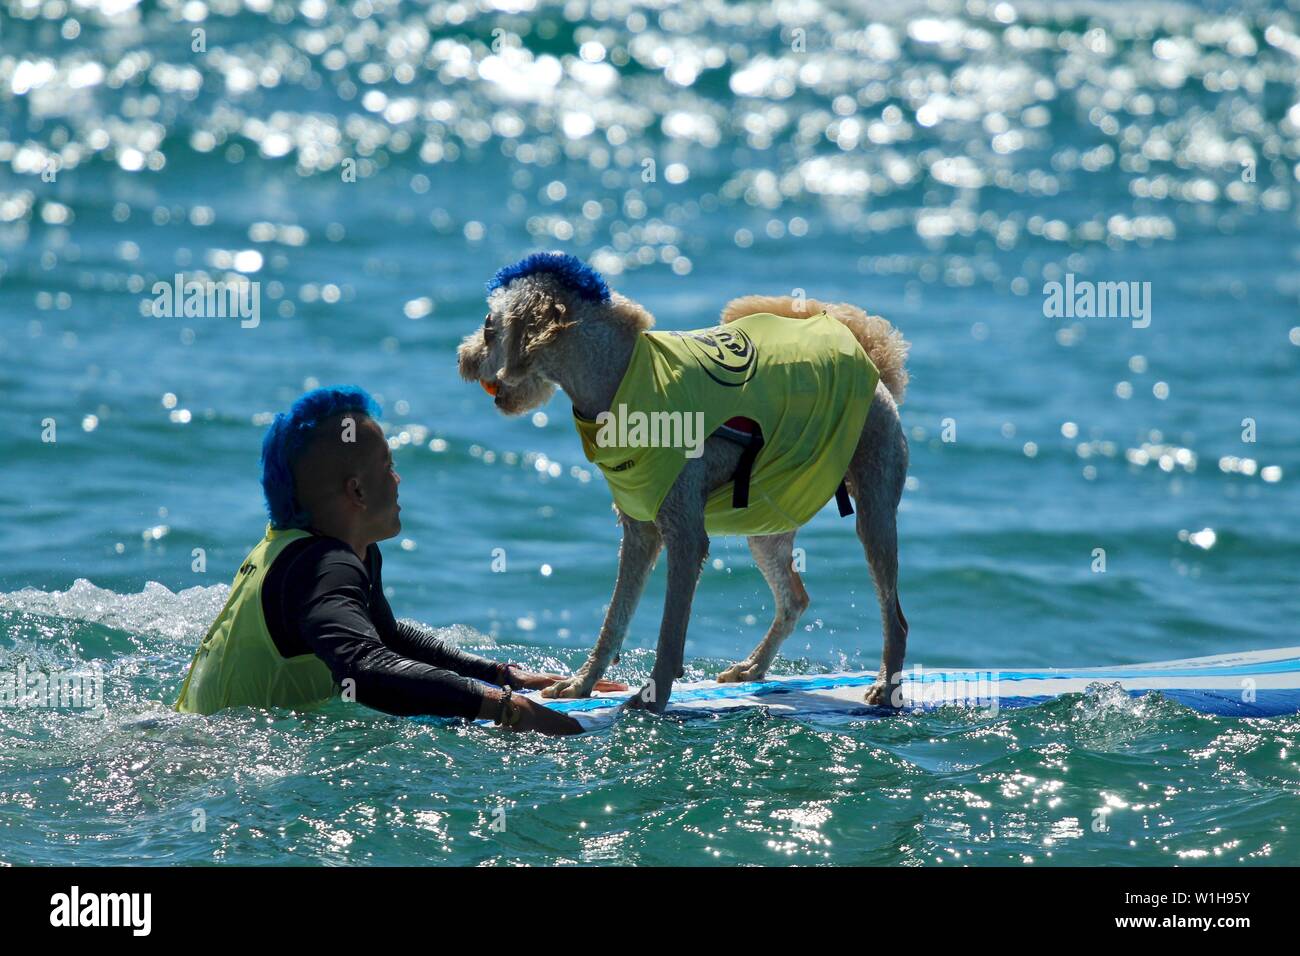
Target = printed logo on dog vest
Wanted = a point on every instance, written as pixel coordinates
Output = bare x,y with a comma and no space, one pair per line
134,910
727,354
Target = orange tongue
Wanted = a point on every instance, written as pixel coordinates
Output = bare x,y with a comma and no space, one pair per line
490,387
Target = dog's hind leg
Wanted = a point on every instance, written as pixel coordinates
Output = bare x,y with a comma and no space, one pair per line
875,479
636,558
773,554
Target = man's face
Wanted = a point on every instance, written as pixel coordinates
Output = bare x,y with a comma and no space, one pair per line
378,482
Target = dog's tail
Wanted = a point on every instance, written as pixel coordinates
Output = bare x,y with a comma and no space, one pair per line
882,342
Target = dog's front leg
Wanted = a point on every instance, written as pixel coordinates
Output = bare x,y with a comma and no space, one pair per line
681,522
636,558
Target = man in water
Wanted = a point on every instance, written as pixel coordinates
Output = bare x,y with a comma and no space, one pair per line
307,618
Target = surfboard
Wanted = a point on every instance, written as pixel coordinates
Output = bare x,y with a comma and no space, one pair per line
1263,683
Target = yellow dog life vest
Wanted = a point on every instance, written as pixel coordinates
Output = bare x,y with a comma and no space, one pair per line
806,382
238,664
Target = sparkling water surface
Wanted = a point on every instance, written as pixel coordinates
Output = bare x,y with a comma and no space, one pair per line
936,163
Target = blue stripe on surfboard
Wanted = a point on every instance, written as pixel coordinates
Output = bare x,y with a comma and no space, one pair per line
1112,673
1274,702
831,682
1267,703
1213,700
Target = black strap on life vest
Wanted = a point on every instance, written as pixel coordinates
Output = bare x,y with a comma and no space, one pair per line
740,487
842,499
746,434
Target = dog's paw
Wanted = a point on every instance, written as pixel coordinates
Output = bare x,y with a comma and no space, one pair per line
653,696
741,673
569,687
880,694
644,699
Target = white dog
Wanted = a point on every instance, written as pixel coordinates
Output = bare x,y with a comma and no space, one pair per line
554,322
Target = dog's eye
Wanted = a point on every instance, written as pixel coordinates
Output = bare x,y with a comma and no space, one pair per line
489,333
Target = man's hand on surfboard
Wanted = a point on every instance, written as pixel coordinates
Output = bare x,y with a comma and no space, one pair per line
532,681
522,714
542,719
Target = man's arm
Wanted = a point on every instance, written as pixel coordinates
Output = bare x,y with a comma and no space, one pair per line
336,625
334,622
423,644
420,642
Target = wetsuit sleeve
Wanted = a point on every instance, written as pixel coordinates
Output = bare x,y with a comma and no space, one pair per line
334,622
424,645
421,643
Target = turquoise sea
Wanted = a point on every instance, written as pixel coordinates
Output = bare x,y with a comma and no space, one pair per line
937,163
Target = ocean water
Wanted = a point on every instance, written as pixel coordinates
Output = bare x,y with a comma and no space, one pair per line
1083,490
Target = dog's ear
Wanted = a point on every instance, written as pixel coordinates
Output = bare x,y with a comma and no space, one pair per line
535,317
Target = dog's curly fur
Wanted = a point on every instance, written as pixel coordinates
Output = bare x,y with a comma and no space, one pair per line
539,334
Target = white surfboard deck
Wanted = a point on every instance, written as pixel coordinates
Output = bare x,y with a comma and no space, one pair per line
1261,683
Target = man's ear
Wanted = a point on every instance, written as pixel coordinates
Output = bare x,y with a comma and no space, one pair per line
534,318
353,491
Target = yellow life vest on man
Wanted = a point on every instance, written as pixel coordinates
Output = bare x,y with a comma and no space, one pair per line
806,382
238,663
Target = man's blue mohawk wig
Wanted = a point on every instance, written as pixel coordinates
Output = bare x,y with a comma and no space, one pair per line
570,270
287,436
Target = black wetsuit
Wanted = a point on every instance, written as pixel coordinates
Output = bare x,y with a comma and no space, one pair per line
319,597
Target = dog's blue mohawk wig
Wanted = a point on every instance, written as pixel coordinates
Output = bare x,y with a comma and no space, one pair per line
571,271
287,436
